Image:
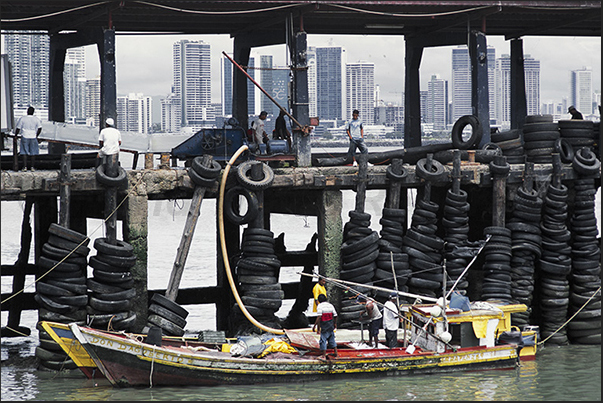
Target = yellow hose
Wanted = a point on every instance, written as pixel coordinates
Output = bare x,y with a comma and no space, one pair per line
223,245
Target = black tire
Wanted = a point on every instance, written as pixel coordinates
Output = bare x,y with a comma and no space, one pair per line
49,303
57,253
167,314
69,245
47,355
229,205
124,262
101,265
120,181
169,304
436,173
457,132
72,287
51,290
110,306
258,280
210,172
68,234
124,278
168,328
128,293
200,180
243,178
264,303
389,172
121,248
47,264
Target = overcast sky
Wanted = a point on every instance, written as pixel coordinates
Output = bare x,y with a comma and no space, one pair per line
144,62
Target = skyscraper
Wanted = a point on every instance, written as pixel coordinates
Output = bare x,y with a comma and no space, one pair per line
266,81
330,83
134,113
360,90
93,90
74,83
226,82
461,81
29,56
502,88
581,90
311,63
192,83
436,102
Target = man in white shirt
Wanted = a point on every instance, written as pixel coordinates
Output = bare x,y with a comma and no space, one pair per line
109,139
30,128
325,325
258,130
391,321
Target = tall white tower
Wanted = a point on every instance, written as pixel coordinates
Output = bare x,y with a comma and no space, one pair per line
581,90
360,90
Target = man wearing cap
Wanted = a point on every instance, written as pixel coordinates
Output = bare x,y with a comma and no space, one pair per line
371,311
30,127
109,139
391,321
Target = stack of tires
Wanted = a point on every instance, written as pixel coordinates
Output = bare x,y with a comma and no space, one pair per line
456,228
511,144
578,133
496,284
424,249
61,293
585,278
554,265
166,315
526,241
111,286
359,252
540,135
257,278
391,259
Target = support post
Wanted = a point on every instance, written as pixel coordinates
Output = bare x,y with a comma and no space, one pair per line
361,182
499,193
65,191
111,169
519,106
480,102
301,100
412,95
393,192
106,50
330,236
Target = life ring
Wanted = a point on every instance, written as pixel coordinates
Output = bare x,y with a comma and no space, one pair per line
121,180
252,205
243,178
457,132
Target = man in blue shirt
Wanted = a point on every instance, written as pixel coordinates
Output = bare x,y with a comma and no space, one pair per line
355,132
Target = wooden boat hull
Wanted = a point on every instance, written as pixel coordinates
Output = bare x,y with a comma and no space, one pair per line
128,362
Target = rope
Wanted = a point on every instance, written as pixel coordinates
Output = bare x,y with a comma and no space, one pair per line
572,317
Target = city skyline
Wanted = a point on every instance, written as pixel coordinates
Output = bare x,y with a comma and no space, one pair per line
558,56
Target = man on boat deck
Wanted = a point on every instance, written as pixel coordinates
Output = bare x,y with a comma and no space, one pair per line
325,325
318,289
374,315
391,321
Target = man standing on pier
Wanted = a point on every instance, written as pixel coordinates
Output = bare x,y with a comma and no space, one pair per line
355,132
259,133
30,128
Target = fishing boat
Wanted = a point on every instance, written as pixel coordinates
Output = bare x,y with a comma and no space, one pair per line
130,360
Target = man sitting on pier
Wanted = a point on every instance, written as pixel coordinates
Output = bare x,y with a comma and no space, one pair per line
109,140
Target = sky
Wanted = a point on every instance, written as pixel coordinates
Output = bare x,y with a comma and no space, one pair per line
144,62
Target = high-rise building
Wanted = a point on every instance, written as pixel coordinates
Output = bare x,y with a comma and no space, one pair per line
227,86
74,83
437,102
267,82
330,83
280,90
311,64
251,88
360,90
581,90
29,56
502,88
170,121
192,83
134,113
461,81
93,91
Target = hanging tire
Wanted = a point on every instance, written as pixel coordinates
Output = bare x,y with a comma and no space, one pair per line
68,234
121,248
457,132
120,181
210,172
243,178
167,314
168,327
436,172
229,205
200,180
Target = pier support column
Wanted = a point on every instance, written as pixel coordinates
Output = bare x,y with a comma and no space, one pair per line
330,237
135,232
